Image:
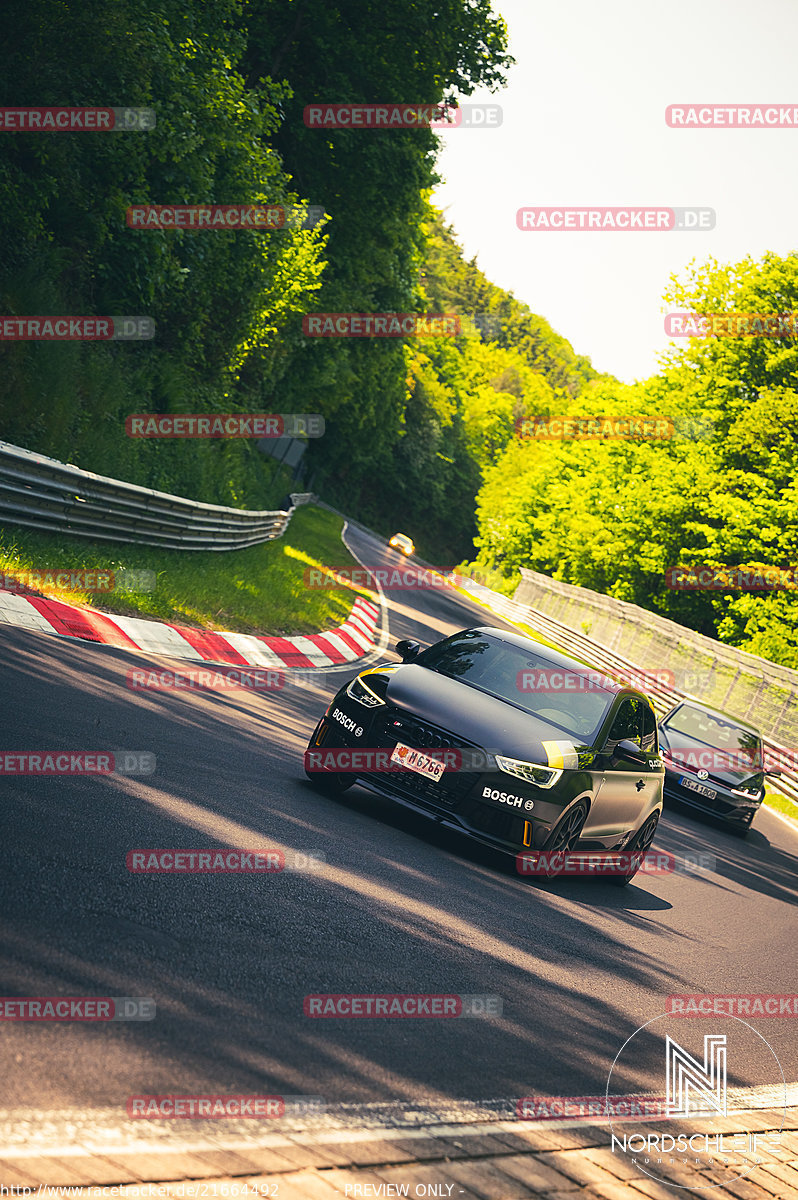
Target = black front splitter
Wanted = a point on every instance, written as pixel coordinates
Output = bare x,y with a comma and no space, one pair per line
441,817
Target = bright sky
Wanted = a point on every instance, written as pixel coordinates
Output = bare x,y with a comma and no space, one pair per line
584,125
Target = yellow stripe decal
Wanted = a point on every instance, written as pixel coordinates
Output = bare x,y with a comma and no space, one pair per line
553,754
561,755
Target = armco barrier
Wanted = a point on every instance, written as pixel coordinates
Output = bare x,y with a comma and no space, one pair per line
606,659
43,493
753,688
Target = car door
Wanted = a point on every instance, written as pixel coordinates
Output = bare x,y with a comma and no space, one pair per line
627,788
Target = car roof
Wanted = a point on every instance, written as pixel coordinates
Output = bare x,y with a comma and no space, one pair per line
712,712
561,660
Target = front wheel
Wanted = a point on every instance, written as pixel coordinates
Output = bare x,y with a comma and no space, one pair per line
639,848
565,836
333,783
741,830
566,833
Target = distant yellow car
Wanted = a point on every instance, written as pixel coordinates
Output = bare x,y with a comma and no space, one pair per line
400,541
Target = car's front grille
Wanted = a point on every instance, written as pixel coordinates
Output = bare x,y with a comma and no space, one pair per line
448,791
400,727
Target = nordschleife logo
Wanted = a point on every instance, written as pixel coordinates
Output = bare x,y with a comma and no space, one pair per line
705,1125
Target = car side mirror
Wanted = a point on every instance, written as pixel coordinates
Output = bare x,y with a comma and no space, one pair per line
407,650
626,748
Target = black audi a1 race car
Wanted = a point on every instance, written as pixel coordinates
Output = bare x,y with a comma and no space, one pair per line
714,762
511,743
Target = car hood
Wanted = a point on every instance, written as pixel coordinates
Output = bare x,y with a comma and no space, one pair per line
493,724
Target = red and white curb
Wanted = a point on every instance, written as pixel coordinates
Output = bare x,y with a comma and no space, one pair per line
348,642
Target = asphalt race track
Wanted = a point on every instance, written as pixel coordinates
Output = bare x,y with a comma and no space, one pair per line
398,906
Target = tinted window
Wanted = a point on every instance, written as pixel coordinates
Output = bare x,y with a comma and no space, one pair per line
692,726
711,731
558,695
635,721
649,738
627,724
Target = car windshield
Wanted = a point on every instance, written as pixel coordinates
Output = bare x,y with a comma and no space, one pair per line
690,726
559,695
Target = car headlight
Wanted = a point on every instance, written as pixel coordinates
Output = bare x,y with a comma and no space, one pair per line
358,691
747,793
544,777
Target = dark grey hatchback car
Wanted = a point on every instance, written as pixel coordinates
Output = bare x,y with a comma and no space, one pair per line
493,735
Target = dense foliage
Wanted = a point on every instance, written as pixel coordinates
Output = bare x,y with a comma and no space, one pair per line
614,516
421,432
228,82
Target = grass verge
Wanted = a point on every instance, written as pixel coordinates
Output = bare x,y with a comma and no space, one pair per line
258,590
787,808
489,577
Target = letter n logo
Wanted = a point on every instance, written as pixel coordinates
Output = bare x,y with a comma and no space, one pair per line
687,1078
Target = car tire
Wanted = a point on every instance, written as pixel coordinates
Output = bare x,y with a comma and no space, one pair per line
566,833
640,844
564,837
330,782
333,783
741,831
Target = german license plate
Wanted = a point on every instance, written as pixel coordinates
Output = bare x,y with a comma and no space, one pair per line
414,760
692,786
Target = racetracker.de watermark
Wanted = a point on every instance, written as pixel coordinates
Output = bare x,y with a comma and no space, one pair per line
76,120
389,115
225,425
595,863
217,1107
76,1008
732,116
594,429
616,220
76,329
406,1005
388,324
391,578
548,680
77,762
196,218
755,578
764,1004
370,760
560,1108
262,861
80,579
729,760
205,679
732,324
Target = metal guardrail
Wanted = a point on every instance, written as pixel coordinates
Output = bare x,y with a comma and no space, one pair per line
43,493
581,647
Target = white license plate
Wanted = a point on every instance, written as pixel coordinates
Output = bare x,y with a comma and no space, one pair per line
692,786
414,760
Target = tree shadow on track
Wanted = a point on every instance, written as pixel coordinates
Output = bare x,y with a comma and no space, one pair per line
398,907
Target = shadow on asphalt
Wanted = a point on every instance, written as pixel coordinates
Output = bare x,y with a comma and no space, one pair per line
400,907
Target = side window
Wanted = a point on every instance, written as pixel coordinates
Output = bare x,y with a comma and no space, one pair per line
649,742
626,724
